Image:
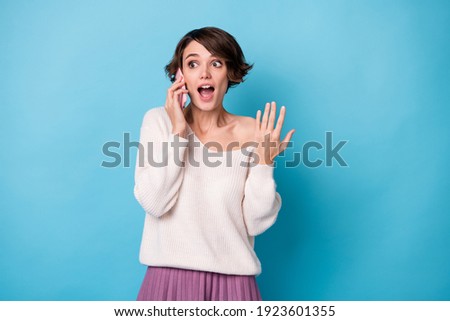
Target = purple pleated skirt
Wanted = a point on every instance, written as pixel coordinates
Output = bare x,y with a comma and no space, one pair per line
173,284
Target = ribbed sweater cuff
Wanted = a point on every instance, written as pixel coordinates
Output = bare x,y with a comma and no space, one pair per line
262,172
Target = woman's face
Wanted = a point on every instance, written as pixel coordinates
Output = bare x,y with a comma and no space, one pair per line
205,76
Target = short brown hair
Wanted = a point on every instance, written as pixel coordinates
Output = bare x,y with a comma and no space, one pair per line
218,42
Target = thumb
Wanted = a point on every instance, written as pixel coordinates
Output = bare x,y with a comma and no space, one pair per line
286,140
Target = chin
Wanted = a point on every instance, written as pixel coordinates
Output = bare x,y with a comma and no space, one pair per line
206,106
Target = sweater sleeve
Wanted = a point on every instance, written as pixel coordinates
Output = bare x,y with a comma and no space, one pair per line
159,164
261,202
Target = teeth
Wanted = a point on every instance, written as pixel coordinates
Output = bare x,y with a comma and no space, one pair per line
206,86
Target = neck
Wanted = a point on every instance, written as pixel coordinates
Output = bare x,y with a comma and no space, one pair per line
207,122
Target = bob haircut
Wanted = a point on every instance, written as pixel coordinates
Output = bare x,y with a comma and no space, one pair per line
219,43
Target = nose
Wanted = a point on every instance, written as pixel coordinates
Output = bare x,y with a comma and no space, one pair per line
205,74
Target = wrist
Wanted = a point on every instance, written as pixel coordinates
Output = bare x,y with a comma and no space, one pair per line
263,157
180,132
265,163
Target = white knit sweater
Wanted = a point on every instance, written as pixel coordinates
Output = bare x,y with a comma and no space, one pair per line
201,217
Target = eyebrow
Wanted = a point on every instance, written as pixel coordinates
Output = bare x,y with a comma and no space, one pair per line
190,55
197,55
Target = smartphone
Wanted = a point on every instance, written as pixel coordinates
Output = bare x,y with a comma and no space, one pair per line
183,97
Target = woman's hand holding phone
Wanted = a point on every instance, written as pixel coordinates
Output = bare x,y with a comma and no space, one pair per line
183,97
173,105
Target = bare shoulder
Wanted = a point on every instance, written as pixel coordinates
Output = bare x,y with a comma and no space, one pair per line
245,127
247,122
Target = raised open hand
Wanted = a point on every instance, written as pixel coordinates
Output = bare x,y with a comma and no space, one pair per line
267,137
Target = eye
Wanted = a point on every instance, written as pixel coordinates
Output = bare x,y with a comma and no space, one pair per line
192,64
217,63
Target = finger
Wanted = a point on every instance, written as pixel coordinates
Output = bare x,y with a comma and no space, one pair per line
178,79
180,91
273,112
169,99
258,120
280,122
176,95
176,85
286,140
265,117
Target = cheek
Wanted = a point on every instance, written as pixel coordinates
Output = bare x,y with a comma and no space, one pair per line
224,82
225,85
189,84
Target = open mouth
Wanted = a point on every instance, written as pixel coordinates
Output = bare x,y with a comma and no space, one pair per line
206,91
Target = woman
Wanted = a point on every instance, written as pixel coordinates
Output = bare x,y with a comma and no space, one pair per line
202,214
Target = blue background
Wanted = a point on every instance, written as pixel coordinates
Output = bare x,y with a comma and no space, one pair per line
77,74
